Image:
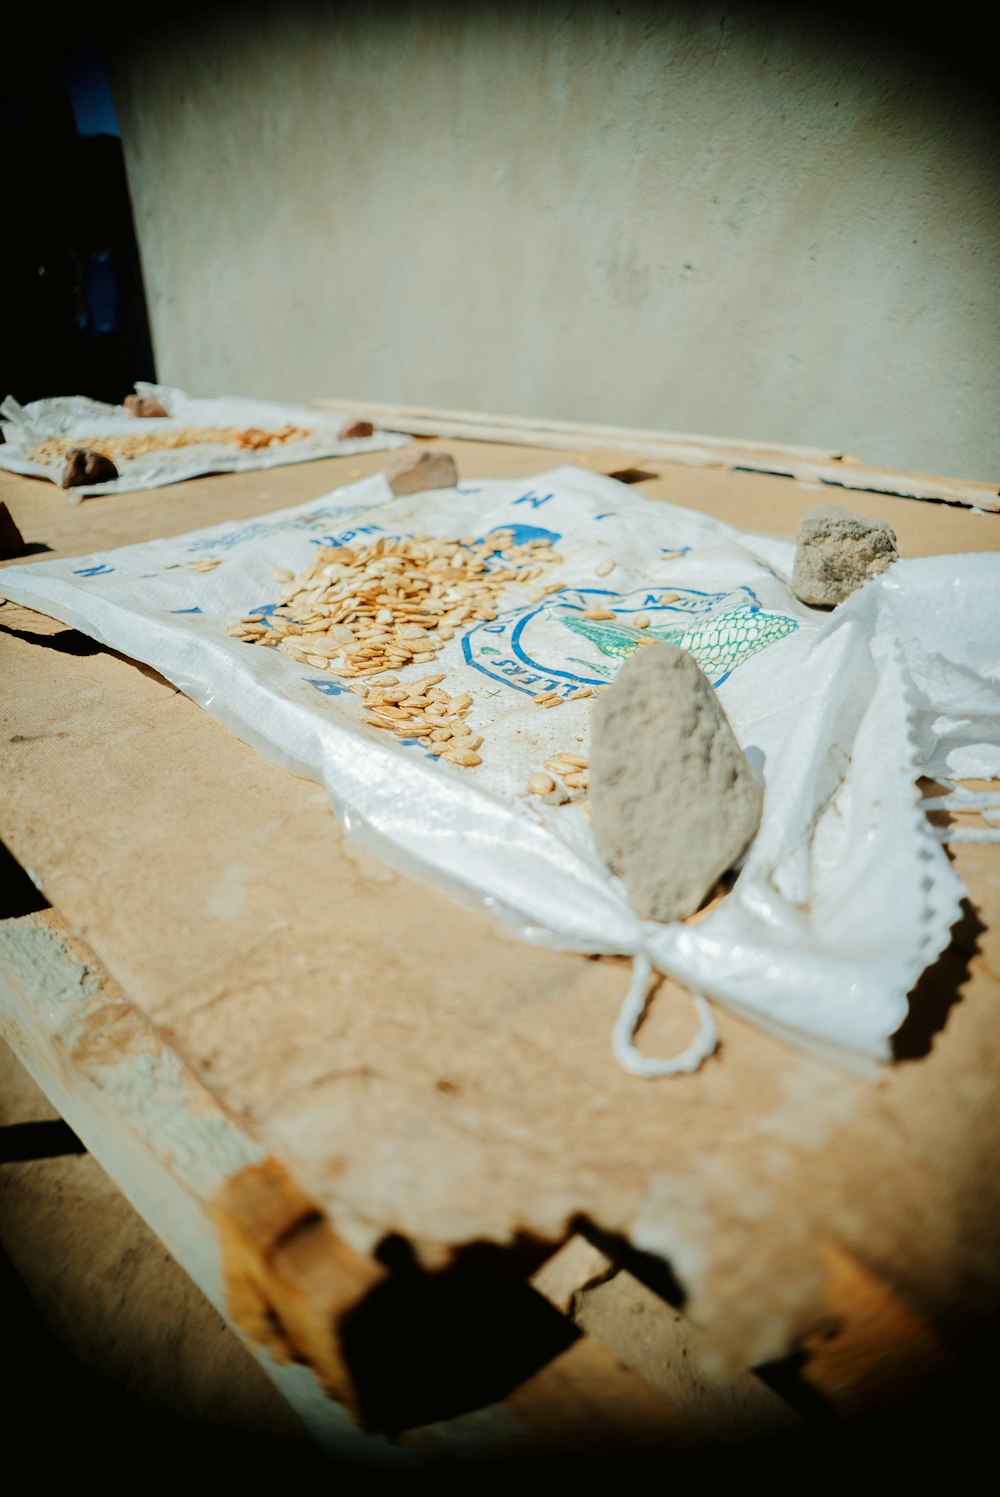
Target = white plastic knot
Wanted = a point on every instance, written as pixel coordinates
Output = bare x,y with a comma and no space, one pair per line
623,1048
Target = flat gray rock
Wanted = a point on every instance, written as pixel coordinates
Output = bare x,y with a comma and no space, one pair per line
837,552
673,801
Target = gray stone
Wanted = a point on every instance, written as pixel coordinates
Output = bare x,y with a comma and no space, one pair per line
673,800
837,552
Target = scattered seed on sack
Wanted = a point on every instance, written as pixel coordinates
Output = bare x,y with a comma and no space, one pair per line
572,770
424,711
569,761
137,444
541,784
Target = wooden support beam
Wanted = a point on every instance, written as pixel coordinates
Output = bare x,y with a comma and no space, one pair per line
875,1350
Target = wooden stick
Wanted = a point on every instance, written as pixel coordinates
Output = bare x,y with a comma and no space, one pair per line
805,464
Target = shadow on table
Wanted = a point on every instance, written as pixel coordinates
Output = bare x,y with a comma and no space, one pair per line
69,1423
938,990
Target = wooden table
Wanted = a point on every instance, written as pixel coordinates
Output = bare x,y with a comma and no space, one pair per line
389,1141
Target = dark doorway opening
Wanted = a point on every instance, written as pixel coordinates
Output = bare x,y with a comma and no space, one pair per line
74,308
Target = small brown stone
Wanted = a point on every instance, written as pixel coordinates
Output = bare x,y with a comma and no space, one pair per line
418,469
144,405
84,466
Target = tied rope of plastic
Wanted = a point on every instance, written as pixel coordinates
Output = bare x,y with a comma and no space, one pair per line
623,1045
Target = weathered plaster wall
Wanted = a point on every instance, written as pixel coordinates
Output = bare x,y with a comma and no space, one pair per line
698,220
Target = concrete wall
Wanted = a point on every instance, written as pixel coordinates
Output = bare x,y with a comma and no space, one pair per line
698,220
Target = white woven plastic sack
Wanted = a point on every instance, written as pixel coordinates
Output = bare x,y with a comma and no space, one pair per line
846,894
82,419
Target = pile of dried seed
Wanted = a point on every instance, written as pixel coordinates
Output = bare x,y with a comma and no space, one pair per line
421,709
571,769
136,444
362,611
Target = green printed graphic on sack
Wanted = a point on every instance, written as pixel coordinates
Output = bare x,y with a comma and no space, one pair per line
526,649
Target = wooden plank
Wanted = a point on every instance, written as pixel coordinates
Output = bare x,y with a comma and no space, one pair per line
585,434
812,465
655,1341
869,1351
288,1278
256,1246
419,1072
167,1144
577,1266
